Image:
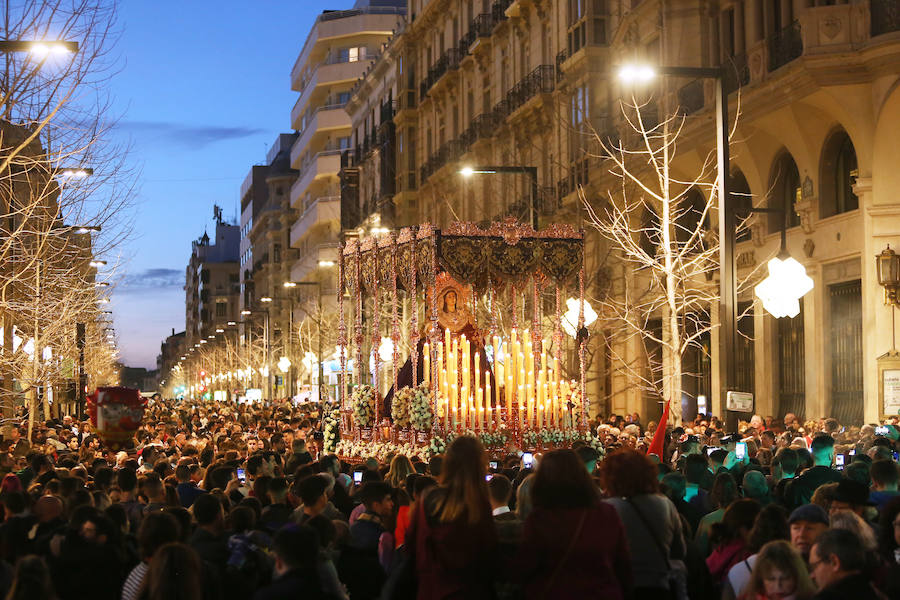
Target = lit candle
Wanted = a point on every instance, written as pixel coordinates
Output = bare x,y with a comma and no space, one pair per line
521,408
426,368
487,392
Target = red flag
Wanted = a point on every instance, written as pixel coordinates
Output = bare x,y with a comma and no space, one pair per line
659,436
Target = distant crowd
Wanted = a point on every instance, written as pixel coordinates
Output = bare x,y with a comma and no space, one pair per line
224,501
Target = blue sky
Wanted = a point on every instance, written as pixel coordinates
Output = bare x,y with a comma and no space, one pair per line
203,91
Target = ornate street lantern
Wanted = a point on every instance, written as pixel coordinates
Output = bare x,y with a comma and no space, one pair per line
781,291
888,266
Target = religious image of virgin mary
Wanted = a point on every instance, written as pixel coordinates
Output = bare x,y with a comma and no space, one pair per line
450,315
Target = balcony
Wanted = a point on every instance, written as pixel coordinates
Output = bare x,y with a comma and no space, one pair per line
449,61
330,25
324,118
324,164
327,74
308,263
322,210
542,80
785,46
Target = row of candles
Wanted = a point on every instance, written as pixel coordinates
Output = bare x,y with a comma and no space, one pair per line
532,392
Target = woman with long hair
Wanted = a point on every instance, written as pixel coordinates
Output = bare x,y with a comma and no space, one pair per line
452,537
175,573
652,523
574,546
729,538
401,468
779,574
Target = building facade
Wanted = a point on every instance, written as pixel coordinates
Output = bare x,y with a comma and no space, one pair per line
266,255
212,284
531,83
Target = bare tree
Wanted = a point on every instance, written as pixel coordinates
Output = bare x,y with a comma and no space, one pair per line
54,124
661,248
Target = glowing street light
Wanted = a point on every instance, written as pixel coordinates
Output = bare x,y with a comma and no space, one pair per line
386,349
265,299
570,317
636,74
39,48
284,364
781,291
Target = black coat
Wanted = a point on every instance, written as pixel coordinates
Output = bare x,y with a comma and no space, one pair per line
297,583
857,587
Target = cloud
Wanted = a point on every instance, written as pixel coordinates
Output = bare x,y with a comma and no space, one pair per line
183,134
157,278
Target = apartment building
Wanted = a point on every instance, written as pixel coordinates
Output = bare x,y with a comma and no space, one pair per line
532,83
212,283
338,51
266,256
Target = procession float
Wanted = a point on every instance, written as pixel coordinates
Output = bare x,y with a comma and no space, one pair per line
479,312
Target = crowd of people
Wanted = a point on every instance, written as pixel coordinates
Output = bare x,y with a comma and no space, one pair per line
223,501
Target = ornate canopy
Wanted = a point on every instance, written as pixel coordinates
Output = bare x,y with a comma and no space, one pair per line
506,252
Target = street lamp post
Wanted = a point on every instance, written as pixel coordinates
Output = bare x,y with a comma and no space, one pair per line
727,226
530,171
266,340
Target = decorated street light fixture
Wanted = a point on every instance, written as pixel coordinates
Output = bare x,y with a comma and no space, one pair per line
570,317
781,291
888,266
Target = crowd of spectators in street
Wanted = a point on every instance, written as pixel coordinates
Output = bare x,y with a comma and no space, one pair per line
223,501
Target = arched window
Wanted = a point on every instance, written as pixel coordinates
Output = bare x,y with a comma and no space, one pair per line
838,169
689,213
741,202
784,189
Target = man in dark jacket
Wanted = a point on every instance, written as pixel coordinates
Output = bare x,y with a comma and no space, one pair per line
836,564
800,490
296,548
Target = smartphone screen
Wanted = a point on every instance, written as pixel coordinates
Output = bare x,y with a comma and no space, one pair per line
488,477
527,460
740,450
494,465
357,477
881,430
241,475
839,461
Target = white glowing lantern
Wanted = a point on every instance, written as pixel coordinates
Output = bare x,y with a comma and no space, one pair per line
309,361
284,364
386,349
781,291
570,317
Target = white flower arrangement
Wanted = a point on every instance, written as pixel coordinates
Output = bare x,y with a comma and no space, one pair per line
400,406
495,439
530,438
380,451
331,430
552,436
437,445
421,414
363,401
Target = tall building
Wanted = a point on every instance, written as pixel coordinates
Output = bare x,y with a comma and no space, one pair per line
170,352
266,255
212,283
338,50
531,83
